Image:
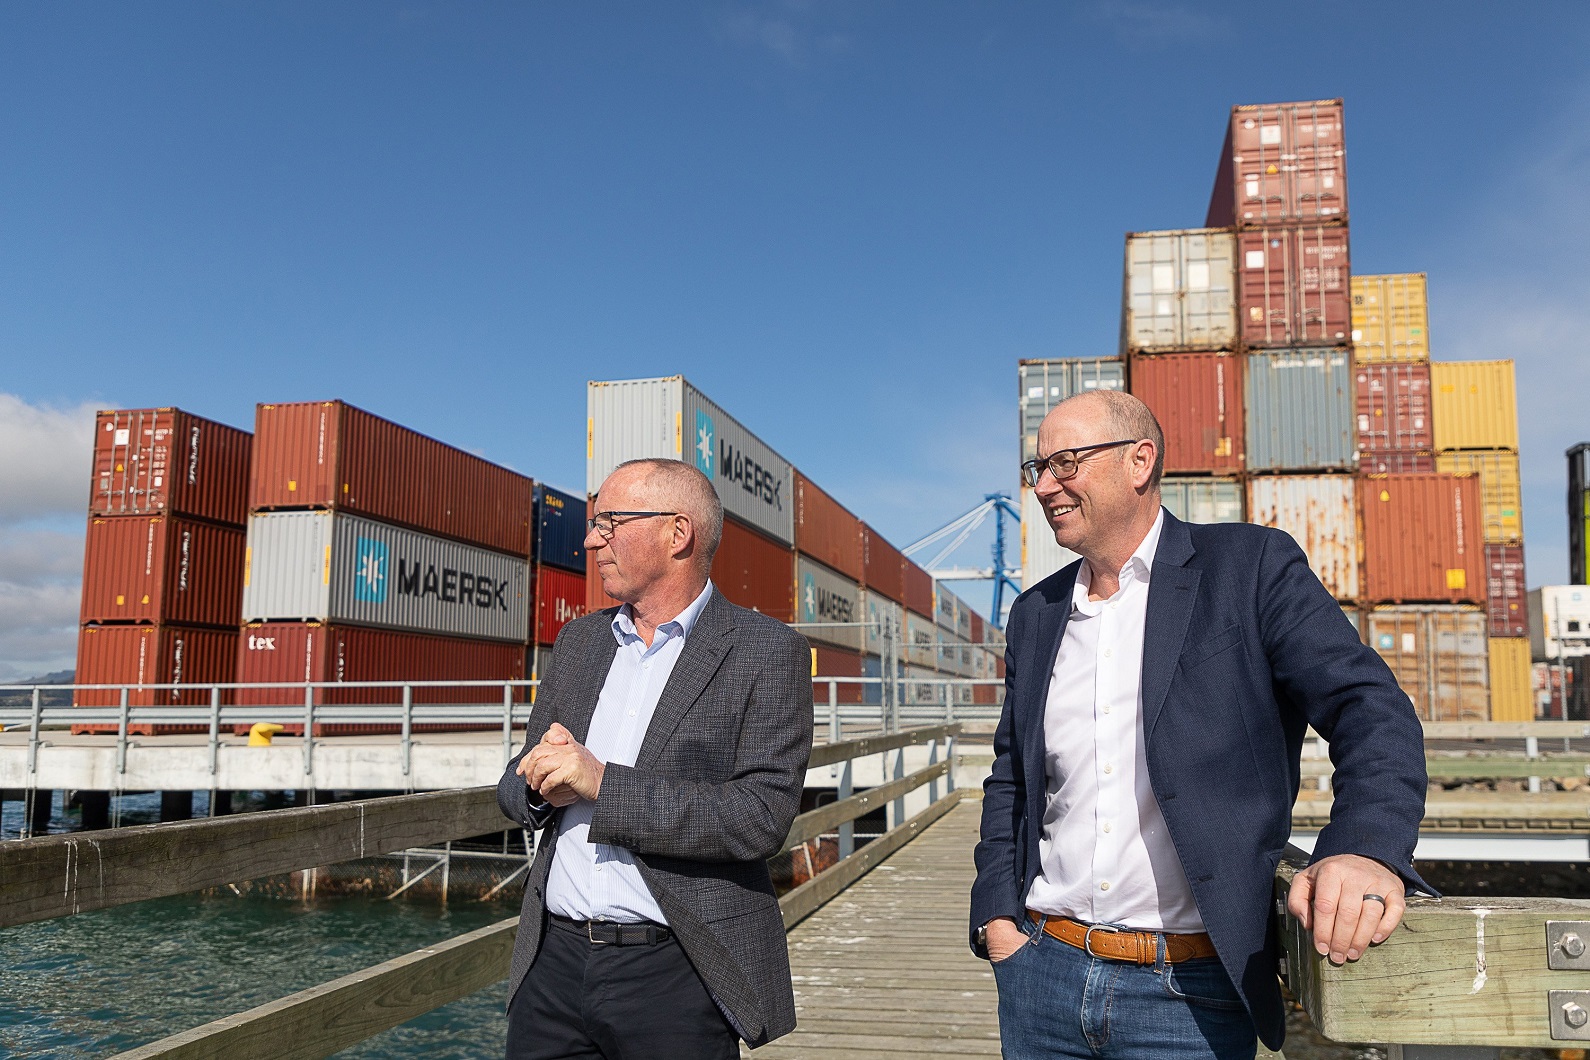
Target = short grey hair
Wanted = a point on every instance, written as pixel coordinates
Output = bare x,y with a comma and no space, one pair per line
676,485
1130,418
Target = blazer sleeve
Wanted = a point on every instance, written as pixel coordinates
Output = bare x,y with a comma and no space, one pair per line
1352,699
513,794
746,817
995,891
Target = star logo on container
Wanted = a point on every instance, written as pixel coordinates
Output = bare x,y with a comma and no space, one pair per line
370,567
809,598
704,438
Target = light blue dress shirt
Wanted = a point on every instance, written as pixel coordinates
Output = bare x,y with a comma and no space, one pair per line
590,881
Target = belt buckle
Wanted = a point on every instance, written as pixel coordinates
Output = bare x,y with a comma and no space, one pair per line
1087,940
590,934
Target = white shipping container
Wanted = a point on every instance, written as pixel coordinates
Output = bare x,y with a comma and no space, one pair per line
945,604
630,419
1044,384
885,621
1041,555
1202,500
1559,622
1319,512
824,598
1180,290
321,566
921,639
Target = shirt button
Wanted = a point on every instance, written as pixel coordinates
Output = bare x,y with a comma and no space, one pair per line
1106,826
1104,886
1106,710
1109,769
1106,653
632,713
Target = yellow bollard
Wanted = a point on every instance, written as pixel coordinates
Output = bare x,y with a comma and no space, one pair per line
260,734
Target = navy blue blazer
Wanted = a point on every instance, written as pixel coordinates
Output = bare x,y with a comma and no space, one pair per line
1243,649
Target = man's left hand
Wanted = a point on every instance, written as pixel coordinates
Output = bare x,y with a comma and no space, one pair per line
561,769
1328,898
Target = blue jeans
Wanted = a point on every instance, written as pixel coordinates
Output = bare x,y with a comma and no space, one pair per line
1056,1001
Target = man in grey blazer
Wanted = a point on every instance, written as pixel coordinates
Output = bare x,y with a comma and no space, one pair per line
665,759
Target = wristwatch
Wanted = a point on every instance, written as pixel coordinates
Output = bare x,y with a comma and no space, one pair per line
980,936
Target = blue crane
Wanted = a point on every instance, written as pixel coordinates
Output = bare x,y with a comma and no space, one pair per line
957,530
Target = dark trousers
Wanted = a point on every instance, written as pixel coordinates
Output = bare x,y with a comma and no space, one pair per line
604,1002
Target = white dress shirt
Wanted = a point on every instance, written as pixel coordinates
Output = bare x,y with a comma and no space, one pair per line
1105,854
590,881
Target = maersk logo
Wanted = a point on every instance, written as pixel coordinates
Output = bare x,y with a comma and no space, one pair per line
824,605
706,434
809,598
371,561
752,477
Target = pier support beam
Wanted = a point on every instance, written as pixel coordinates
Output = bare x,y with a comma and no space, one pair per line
220,803
39,818
176,806
96,809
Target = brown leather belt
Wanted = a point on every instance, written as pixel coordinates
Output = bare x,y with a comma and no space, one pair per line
1113,944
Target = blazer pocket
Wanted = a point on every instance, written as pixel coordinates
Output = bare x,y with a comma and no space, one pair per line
1210,646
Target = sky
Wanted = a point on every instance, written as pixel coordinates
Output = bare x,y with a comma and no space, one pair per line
844,222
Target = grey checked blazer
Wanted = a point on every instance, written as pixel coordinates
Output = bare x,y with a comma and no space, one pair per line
710,798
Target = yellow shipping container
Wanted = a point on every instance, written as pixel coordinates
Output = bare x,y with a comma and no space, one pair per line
1474,405
1512,693
1500,492
1391,317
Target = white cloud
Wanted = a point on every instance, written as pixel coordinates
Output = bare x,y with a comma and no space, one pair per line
41,574
46,456
1146,24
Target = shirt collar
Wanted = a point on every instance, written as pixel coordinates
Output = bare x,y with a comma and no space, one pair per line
679,626
1138,567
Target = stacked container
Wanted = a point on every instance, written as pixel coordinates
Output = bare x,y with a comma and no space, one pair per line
559,570
163,560
376,553
1579,513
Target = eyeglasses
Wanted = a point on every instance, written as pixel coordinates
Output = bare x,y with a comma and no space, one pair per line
1064,464
605,523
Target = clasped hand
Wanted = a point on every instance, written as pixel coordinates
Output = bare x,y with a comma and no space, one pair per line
560,769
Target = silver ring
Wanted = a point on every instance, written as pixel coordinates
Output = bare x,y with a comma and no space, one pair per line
1374,898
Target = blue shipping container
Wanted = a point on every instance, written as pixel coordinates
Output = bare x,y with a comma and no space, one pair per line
1302,410
560,528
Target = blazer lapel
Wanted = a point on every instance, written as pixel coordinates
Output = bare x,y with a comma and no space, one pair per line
587,686
698,661
1172,592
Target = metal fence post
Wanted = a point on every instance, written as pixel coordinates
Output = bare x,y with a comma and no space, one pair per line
215,743
933,760
899,773
408,728
835,730
507,721
309,739
949,755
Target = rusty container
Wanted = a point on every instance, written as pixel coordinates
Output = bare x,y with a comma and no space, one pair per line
559,600
1321,514
1439,655
883,567
141,656
1197,398
331,455
162,569
1507,594
831,661
825,531
1397,463
1293,286
1422,539
1281,163
918,589
1393,407
169,462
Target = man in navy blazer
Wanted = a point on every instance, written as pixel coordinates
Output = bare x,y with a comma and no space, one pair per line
1146,762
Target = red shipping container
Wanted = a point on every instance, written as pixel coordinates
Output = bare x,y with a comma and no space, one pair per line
560,599
328,454
1423,539
1397,463
830,661
883,567
162,569
1394,408
977,628
749,569
825,531
169,462
1281,163
1197,398
595,598
1506,591
1293,286
292,653
140,656
918,590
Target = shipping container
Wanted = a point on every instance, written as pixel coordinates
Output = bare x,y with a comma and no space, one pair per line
162,569
885,625
1396,463
1475,405
1044,384
287,655
922,640
560,599
945,608
1179,291
169,462
1041,554
1391,318
331,455
330,566
755,571
828,606
963,620
1356,617
871,694
919,689
826,531
1553,685
1421,539
1393,407
634,418
1197,398
829,661
596,599
1512,697
1439,655
883,565
560,528
1500,491
1559,622
1507,594
1281,163
918,589
1292,286
1320,512
1579,513
140,656
977,626
1203,500
1300,410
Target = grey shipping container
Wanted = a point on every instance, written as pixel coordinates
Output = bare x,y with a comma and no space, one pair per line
1041,554
1302,408
921,639
1202,500
322,566
1439,655
633,418
1180,290
828,606
885,624
1044,384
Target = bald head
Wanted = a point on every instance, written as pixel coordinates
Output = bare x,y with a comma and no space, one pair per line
675,486
1126,417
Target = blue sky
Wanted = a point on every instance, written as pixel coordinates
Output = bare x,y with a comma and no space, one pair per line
844,222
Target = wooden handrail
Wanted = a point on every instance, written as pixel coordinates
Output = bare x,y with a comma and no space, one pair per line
827,754
826,818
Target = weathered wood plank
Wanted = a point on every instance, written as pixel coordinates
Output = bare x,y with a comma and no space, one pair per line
60,875
827,754
826,818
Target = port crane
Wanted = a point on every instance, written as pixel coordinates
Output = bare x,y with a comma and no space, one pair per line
956,531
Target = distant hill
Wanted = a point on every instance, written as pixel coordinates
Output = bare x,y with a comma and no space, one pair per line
49,699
